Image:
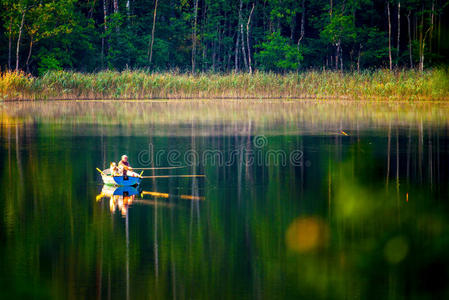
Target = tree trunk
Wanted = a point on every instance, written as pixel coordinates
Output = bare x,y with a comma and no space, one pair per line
205,45
91,10
292,27
415,27
432,16
337,55
389,35
194,35
221,57
214,49
238,38
9,43
105,16
358,58
242,36
409,39
229,50
18,39
217,50
236,54
439,35
399,33
150,48
421,41
115,6
303,13
29,55
247,38
341,59
102,52
128,9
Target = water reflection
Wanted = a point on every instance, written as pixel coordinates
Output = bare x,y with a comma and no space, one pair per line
119,197
367,217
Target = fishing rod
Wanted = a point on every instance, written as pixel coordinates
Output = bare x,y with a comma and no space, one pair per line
173,176
160,168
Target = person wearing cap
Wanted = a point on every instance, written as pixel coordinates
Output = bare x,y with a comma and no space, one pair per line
124,163
126,168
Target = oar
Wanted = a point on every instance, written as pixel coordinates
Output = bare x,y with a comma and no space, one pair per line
101,172
171,176
159,168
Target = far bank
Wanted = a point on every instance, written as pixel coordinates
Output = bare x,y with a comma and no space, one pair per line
139,84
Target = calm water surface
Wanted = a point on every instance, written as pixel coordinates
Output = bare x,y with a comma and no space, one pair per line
304,199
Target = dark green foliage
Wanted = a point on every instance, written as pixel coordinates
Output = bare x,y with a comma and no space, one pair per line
276,35
276,54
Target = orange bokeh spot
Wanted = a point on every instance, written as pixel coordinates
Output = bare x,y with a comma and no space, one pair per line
307,234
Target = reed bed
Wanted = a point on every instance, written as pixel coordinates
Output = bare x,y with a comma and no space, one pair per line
141,84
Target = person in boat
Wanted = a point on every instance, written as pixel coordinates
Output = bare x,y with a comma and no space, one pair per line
124,163
126,168
114,169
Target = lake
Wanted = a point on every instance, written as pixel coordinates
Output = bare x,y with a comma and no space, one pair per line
313,199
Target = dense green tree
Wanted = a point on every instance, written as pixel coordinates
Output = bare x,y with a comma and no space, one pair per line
221,36
277,54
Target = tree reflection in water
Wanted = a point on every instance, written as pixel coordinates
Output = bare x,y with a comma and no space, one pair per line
366,217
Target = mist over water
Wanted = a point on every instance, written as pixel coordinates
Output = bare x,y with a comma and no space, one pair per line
360,211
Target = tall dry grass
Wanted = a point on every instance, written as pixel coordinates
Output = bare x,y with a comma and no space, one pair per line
140,84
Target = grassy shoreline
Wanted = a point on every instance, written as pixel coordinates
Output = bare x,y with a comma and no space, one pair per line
377,85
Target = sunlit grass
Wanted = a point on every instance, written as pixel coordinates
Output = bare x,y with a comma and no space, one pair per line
141,84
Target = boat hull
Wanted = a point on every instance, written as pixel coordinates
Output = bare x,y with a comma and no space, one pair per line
120,180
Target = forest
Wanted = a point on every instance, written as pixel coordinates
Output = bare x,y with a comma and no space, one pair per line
222,36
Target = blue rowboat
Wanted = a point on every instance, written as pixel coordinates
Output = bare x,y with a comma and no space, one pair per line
108,179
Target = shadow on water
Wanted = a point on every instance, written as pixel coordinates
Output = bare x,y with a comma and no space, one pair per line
300,199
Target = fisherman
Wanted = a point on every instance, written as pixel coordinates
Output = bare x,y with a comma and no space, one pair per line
126,168
124,163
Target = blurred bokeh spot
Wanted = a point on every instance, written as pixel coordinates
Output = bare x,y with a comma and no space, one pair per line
396,250
307,234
